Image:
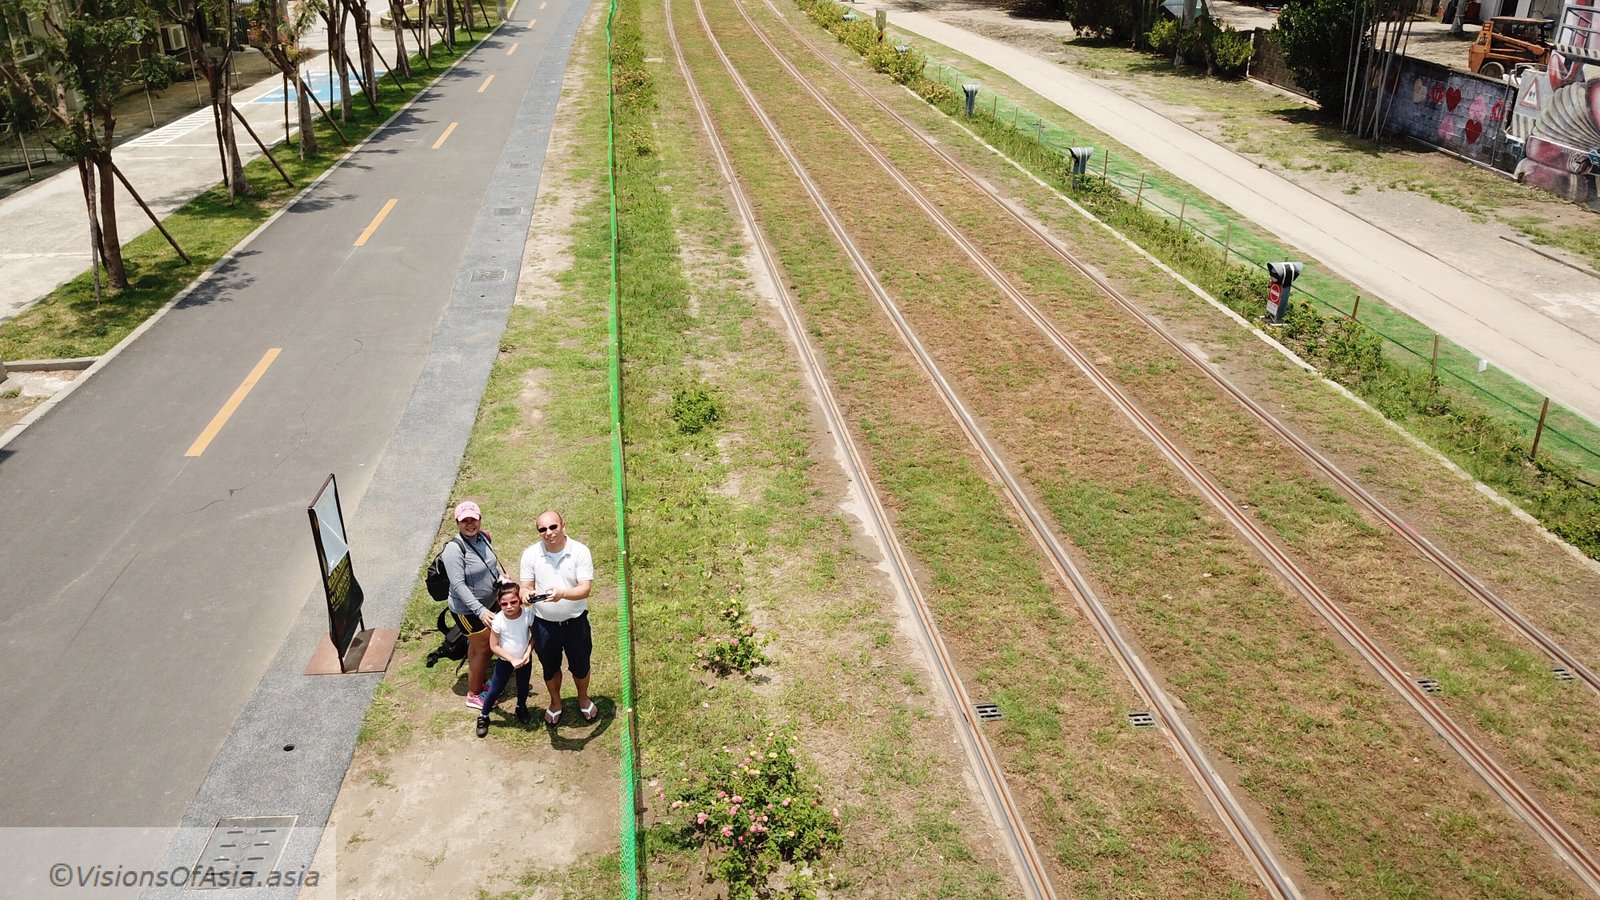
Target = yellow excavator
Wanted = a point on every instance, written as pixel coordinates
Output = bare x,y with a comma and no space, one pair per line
1505,42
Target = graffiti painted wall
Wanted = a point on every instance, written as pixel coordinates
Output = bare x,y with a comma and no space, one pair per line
1447,108
1557,111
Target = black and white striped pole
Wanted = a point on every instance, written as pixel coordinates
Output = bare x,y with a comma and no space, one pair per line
1080,159
1283,275
971,91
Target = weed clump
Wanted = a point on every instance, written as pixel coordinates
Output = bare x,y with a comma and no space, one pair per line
694,408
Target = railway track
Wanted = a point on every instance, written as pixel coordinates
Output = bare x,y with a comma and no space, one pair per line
1567,847
1237,822
1353,489
1024,854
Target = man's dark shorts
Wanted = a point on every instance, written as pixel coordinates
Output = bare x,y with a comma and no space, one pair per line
571,636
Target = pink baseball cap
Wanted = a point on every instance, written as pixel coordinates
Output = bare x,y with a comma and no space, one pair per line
466,509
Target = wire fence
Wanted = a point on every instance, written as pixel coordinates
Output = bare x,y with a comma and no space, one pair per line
628,861
1544,424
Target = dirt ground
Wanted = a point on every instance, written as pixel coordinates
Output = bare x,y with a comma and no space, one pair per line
21,392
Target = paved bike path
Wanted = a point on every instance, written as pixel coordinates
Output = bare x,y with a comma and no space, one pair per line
149,592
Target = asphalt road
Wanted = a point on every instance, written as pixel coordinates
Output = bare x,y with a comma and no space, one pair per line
150,576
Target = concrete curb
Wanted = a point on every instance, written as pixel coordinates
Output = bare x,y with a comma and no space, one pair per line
76,363
101,361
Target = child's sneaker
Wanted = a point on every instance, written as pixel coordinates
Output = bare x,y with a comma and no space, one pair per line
483,726
475,700
523,716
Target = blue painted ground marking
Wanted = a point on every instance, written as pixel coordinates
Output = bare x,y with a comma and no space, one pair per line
321,87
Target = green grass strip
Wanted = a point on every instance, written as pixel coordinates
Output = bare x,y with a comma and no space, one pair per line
68,322
629,857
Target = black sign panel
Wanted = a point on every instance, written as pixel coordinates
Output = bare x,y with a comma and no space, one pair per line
338,576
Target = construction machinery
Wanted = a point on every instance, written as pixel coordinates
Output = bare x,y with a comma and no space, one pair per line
1506,42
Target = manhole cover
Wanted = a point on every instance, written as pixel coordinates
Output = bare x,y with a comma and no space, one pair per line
1429,686
244,844
1562,673
1140,718
987,712
489,275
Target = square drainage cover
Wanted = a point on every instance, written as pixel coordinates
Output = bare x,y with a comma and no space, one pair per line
1142,719
1562,673
1429,685
987,712
244,844
507,210
494,275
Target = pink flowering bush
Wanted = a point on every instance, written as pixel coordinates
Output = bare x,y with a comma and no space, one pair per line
759,817
741,651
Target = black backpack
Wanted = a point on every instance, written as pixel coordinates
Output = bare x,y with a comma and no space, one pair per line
454,645
437,579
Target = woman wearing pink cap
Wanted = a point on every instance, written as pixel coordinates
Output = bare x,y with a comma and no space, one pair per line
475,572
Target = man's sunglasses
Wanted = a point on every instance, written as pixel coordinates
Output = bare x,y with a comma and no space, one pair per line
548,528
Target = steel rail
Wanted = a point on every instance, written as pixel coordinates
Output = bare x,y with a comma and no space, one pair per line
980,755
1566,846
1458,573
1236,821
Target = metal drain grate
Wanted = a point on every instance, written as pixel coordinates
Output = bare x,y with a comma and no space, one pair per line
1140,718
521,165
987,712
1562,673
1429,686
489,275
507,210
245,844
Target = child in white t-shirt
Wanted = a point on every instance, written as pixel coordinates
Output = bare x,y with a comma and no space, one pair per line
511,642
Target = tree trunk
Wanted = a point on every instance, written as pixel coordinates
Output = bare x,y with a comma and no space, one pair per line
368,63
367,76
110,245
96,246
335,18
397,12
237,185
450,24
214,90
308,134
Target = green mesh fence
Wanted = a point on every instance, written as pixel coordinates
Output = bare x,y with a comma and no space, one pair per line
629,777
1407,342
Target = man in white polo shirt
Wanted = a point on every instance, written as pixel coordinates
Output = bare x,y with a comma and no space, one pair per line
557,573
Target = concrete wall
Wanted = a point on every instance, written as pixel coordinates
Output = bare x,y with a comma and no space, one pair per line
1449,108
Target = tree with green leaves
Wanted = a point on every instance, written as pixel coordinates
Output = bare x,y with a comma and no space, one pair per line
1121,21
87,54
1317,37
211,41
276,32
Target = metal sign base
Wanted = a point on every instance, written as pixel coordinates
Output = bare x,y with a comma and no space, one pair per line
369,652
